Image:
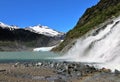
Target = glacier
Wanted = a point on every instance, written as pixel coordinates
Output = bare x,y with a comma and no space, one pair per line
43,48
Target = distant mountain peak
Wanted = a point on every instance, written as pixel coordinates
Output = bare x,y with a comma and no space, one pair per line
45,30
40,29
3,25
40,26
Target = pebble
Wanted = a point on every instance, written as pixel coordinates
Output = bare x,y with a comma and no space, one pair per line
66,70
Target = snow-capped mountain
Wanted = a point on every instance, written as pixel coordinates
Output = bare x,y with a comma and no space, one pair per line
39,29
15,38
2,25
45,30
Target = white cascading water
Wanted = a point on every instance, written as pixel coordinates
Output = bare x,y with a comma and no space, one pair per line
100,47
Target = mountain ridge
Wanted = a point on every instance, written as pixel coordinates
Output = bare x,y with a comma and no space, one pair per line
19,39
44,30
40,29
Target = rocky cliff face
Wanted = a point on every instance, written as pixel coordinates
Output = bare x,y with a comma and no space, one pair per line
92,18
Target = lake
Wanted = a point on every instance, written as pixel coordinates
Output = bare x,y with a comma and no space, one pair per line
26,56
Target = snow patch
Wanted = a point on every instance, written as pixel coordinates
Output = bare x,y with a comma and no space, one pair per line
45,30
8,26
43,48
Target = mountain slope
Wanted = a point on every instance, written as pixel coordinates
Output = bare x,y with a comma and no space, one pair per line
94,16
14,39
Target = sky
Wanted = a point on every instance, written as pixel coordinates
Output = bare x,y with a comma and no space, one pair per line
60,15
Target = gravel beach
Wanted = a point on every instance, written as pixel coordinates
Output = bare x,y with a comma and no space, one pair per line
55,72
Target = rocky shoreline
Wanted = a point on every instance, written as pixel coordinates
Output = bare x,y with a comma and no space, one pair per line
52,71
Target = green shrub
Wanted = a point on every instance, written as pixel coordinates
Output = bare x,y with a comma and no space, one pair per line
90,20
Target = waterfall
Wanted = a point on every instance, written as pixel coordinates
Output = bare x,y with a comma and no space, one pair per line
102,45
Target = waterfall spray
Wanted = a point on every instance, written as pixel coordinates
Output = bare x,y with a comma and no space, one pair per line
101,46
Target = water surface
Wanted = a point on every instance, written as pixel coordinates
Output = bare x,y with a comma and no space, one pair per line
26,56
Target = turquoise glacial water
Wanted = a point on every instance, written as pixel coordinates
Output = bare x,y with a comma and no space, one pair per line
24,56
